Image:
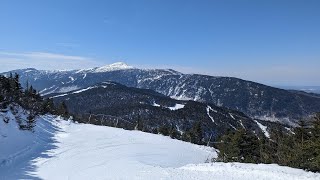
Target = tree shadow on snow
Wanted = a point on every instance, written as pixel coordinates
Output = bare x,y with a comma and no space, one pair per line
23,165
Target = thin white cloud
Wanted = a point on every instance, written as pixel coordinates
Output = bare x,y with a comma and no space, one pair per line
44,60
44,55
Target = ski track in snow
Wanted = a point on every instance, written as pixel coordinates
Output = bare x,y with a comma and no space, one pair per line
64,150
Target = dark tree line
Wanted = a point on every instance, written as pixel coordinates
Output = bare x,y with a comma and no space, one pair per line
299,148
11,92
193,134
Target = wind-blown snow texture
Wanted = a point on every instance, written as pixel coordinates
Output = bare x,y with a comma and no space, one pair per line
61,150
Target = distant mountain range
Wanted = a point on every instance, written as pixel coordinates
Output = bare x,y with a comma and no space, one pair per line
255,100
309,89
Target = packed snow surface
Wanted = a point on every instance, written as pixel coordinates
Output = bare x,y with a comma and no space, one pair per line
59,149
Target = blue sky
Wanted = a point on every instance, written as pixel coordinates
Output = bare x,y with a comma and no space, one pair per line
275,42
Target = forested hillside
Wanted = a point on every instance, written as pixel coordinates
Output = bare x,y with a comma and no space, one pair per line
299,149
14,97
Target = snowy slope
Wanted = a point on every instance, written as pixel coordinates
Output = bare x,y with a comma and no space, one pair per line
64,150
88,150
19,147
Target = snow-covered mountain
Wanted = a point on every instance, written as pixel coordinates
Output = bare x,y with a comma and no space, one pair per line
107,68
254,99
59,149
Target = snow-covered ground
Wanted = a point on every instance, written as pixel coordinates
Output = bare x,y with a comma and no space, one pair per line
18,148
59,149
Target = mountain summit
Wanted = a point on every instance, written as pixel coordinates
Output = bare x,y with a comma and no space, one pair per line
113,67
107,68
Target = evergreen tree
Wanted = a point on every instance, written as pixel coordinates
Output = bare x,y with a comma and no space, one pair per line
139,126
228,148
301,132
63,110
1,98
310,152
154,131
194,134
27,87
164,130
16,79
173,133
249,147
48,106
239,146
197,133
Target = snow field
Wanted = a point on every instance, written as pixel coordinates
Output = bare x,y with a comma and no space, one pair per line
59,149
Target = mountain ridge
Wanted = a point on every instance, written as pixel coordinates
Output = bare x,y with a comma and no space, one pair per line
116,105
254,99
